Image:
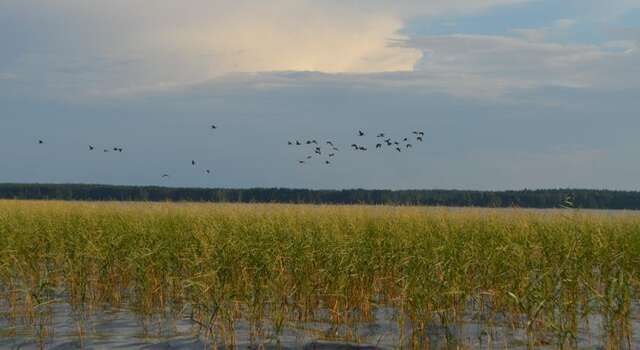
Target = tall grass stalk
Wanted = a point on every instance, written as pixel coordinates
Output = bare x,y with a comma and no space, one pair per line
280,266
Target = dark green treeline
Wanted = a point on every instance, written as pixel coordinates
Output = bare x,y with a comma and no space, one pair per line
578,198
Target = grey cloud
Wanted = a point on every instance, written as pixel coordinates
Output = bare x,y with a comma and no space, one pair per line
470,142
73,45
502,63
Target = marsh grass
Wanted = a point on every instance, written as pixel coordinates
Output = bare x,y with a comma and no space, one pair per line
280,266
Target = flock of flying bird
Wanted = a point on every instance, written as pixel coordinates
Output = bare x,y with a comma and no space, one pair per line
120,150
328,149
382,141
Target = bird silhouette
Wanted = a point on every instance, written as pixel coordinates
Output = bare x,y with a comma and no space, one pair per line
40,142
309,157
106,151
165,175
314,142
379,145
91,148
208,171
327,162
301,161
298,143
354,146
330,143
193,162
421,133
405,139
213,126
290,143
362,148
409,145
398,149
335,149
380,135
331,154
419,138
360,133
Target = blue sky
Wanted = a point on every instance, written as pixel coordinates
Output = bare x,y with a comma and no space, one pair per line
510,93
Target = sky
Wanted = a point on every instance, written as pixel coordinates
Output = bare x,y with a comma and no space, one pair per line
510,94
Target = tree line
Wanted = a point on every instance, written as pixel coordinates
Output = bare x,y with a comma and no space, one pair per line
544,198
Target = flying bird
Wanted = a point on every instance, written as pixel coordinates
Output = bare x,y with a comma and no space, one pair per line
362,148
301,161
213,126
360,133
290,143
330,143
398,149
409,145
40,142
327,162
354,146
331,154
298,143
380,135
165,175
419,138
379,145
208,171
193,162
91,148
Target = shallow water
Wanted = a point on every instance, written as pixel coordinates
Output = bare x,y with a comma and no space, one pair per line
121,329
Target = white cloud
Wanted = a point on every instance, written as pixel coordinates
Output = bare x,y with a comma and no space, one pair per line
81,44
126,46
558,30
494,65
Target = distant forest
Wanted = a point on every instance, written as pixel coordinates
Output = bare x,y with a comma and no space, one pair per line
554,198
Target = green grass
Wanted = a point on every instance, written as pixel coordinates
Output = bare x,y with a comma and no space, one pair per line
546,273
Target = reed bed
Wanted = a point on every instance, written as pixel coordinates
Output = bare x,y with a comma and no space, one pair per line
276,266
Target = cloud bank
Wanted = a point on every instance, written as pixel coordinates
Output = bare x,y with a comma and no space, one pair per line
91,47
132,44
